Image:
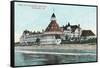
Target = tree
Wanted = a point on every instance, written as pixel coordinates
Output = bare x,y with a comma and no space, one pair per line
38,41
57,36
67,37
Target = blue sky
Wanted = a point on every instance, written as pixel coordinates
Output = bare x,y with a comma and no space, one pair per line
35,17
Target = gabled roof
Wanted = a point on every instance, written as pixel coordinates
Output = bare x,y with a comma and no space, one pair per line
73,27
87,33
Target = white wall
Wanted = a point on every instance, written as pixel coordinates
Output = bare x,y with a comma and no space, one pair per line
5,35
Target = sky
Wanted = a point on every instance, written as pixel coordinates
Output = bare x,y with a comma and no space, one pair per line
36,16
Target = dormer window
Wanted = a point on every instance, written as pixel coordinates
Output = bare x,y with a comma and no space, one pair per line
68,28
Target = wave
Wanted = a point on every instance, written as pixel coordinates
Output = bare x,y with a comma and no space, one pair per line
53,53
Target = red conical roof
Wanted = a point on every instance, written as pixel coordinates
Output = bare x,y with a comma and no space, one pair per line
53,26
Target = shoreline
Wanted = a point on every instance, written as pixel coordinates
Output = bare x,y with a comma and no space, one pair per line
63,46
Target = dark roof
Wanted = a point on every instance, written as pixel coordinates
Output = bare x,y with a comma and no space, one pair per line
26,31
36,33
73,27
87,33
53,26
53,15
30,32
68,24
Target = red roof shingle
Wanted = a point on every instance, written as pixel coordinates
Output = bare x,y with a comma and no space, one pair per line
53,26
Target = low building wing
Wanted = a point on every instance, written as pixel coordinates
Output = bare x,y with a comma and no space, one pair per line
87,33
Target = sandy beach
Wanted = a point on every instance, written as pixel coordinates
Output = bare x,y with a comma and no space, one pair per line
63,46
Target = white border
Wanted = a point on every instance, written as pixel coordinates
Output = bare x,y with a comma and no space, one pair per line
5,34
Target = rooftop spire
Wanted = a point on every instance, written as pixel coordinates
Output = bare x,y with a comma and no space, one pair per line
68,23
53,15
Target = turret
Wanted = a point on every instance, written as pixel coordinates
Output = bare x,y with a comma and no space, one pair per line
53,17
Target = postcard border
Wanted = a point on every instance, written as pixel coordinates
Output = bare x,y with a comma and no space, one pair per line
12,51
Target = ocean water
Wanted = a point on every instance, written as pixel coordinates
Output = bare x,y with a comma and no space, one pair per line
24,59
